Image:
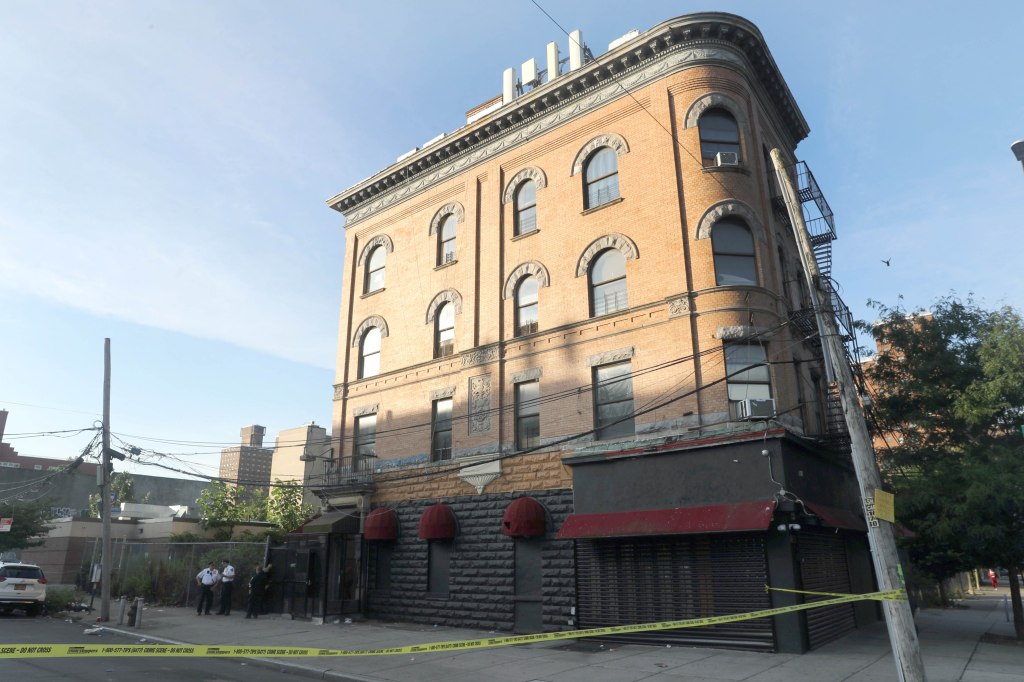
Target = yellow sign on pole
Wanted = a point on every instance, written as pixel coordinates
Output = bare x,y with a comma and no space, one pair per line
885,506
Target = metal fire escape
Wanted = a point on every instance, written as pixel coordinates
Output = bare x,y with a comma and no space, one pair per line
822,232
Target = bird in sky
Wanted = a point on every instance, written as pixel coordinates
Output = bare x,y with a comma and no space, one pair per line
886,261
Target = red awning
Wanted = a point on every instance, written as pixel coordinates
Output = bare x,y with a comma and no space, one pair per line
719,518
524,518
380,524
438,523
837,518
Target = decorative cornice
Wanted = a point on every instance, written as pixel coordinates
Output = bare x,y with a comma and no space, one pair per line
611,140
531,268
674,45
372,321
454,208
530,173
620,242
379,240
446,296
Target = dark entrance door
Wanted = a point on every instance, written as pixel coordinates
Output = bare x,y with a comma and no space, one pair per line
823,568
343,574
529,606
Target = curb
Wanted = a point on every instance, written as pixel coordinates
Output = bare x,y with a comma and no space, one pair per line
296,668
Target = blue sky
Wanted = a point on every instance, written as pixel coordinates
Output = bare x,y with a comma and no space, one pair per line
164,168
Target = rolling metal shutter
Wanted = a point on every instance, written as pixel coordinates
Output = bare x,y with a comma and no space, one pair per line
625,581
823,568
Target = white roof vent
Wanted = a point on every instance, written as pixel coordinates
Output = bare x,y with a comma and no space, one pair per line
406,155
623,39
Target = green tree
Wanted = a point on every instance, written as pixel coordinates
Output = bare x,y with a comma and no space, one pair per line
223,506
285,508
951,384
122,485
29,522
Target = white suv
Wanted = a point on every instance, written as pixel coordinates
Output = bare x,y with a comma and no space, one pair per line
22,586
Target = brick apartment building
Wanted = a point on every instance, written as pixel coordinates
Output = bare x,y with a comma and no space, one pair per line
248,463
578,382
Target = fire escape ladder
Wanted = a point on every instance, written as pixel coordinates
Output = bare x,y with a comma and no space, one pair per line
836,432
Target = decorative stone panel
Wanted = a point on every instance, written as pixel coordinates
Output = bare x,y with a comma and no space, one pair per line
480,356
454,208
366,409
532,374
379,240
725,209
611,356
372,321
613,240
678,306
612,140
442,393
530,173
531,268
480,404
742,332
446,296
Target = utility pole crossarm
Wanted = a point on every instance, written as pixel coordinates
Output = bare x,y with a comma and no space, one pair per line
898,617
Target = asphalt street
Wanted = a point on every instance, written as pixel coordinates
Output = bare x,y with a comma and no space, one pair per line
19,629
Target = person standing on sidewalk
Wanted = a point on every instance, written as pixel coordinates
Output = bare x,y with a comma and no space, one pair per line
206,579
993,577
227,583
257,588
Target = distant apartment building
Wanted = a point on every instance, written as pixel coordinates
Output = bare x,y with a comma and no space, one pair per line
300,454
248,464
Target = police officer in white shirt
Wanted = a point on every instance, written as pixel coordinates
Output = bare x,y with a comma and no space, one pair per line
206,579
227,584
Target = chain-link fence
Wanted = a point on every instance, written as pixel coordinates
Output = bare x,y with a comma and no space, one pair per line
165,572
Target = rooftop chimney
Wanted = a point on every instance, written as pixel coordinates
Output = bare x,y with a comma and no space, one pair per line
253,435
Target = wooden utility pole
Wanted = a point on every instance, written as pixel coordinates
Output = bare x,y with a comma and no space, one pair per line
105,501
899,620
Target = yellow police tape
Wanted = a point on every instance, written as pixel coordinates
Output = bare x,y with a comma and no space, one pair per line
103,650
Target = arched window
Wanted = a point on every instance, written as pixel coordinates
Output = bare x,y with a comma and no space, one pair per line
718,133
608,283
601,178
446,240
375,270
369,354
733,246
444,331
526,208
527,306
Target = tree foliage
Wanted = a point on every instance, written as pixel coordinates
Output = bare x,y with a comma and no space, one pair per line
285,508
29,523
949,397
224,506
122,486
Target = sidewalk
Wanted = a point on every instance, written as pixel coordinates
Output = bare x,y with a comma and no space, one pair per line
951,644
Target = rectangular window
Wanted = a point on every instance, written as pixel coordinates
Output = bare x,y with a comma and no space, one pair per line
383,552
365,441
527,415
441,431
747,369
613,401
438,567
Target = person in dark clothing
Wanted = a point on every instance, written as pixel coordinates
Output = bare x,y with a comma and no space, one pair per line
258,584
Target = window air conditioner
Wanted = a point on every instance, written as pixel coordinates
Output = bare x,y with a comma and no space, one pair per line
449,257
727,159
755,408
